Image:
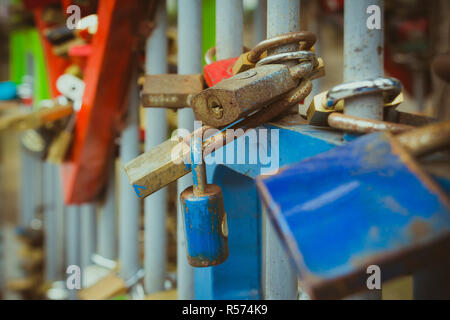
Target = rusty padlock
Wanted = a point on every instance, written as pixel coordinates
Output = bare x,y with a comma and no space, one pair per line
244,93
205,219
170,90
60,145
327,102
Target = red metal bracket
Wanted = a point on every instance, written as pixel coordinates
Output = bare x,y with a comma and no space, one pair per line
107,78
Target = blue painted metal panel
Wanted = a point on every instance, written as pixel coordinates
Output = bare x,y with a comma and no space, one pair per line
359,204
239,276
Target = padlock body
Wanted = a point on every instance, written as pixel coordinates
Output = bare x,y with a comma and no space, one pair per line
241,94
205,226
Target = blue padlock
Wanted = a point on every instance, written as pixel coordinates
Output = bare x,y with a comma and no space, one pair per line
204,215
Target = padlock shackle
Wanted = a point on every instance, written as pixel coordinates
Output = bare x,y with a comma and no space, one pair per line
388,86
350,123
198,165
426,139
308,39
299,56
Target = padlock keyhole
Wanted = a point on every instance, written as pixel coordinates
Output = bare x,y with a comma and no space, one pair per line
216,108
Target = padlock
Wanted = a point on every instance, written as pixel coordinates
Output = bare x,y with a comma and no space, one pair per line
205,219
39,140
243,93
170,90
318,112
41,127
60,145
165,163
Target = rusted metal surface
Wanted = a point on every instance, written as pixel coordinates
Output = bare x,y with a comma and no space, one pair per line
306,39
361,125
170,90
426,139
241,94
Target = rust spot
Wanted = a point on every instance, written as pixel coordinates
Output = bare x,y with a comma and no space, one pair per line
380,50
419,229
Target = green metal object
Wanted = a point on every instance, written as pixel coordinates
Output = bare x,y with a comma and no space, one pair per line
26,44
208,26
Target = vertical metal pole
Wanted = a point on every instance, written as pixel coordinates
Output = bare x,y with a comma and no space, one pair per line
363,56
31,197
314,26
88,233
189,62
50,220
156,132
229,21
363,59
259,22
279,277
73,249
60,211
129,203
419,89
107,218
26,186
